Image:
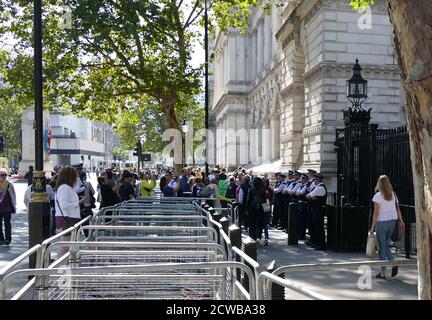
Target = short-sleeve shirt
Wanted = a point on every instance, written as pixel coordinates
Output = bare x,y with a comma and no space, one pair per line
388,209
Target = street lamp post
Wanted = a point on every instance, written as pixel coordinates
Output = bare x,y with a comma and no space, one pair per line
206,72
185,129
39,207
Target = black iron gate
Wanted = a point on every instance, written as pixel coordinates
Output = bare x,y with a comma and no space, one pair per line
365,152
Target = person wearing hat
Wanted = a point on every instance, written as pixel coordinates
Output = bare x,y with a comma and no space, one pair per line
302,207
278,200
296,185
317,199
287,197
311,182
79,184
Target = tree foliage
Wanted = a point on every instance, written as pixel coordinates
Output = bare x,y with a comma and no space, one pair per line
115,56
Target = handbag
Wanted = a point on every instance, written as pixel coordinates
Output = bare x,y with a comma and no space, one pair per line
371,247
397,232
266,206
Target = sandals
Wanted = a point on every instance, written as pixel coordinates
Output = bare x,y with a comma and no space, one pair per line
379,276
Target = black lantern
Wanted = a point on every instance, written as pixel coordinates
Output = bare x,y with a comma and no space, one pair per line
185,126
357,87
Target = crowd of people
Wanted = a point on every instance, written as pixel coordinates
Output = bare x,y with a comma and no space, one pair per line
260,205
262,202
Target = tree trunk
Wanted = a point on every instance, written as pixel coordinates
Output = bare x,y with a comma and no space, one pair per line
412,25
168,104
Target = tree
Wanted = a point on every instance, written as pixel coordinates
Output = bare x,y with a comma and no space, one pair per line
412,29
114,54
145,121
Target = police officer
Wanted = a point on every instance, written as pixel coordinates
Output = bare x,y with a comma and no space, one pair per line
302,207
278,200
79,185
317,198
292,180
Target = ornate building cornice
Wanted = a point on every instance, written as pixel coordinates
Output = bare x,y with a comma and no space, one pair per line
337,70
295,87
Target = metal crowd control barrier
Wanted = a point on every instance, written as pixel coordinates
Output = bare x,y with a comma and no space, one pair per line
274,276
148,233
139,249
213,280
125,253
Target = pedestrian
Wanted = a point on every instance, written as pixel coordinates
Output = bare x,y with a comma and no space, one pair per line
51,198
90,202
197,187
146,187
232,187
126,190
108,197
386,217
67,202
255,210
7,207
267,211
184,190
109,178
242,196
29,175
172,187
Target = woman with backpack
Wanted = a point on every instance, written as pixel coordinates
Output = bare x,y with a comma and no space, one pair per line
255,200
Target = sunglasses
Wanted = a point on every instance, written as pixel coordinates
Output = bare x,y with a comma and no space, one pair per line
3,175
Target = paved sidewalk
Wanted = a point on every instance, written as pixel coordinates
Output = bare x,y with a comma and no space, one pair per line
19,242
336,284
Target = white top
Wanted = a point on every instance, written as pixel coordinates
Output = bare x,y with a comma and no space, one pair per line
88,190
302,190
79,185
318,191
312,185
27,194
280,188
387,209
68,200
291,184
297,187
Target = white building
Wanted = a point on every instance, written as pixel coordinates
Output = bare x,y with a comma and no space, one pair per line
283,83
77,140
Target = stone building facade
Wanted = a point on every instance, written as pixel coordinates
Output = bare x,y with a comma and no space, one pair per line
283,83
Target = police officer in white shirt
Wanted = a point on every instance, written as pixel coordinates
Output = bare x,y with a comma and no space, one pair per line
317,198
296,185
278,201
79,185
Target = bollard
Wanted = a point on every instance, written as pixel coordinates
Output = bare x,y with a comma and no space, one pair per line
292,224
249,247
234,233
224,221
277,291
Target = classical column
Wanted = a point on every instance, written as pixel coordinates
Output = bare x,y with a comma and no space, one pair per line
267,40
260,55
275,138
254,55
